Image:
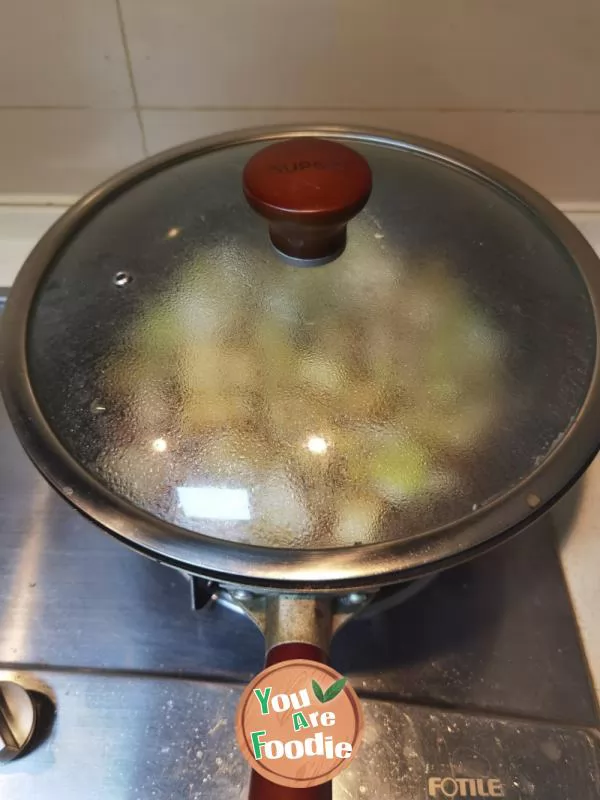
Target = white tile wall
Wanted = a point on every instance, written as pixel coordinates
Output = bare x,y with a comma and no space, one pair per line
516,82
64,151
63,53
20,228
430,54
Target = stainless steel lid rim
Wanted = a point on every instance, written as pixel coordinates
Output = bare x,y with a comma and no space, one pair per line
298,570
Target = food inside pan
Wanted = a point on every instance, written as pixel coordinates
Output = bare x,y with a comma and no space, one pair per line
331,396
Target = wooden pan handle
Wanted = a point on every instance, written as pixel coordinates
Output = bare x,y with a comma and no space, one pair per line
261,788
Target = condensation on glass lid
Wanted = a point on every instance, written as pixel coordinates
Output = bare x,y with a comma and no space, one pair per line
399,389
286,420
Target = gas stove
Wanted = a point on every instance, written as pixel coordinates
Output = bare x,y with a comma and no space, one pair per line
475,686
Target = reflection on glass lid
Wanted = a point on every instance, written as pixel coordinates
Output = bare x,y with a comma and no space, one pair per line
395,390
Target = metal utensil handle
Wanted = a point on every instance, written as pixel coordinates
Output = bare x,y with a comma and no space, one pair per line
261,788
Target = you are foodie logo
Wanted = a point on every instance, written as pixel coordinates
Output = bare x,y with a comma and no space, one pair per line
299,723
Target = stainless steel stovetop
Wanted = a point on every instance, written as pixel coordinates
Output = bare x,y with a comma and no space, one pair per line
479,676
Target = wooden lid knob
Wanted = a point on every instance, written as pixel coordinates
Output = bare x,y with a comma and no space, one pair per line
307,189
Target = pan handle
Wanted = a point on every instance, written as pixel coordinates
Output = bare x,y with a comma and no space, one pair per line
261,788
295,628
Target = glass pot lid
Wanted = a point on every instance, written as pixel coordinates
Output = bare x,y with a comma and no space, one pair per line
233,394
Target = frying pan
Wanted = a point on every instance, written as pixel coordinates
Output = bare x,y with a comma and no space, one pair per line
396,372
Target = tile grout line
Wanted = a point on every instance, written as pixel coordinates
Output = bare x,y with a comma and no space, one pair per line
381,109
129,63
328,109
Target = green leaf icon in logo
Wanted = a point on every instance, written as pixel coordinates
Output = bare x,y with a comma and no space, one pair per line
334,689
318,692
328,694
